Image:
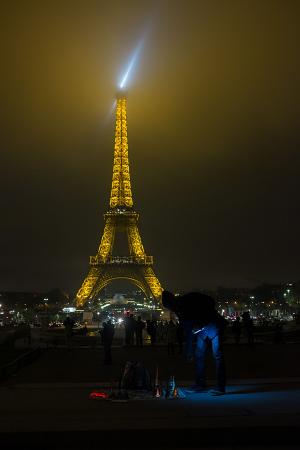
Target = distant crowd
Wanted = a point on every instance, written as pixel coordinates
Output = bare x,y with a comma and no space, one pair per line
171,333
158,331
162,331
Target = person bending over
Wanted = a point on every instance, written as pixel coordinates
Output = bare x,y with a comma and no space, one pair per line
197,314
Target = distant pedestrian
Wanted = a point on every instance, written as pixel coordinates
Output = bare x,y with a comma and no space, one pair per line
248,327
131,329
129,324
152,330
149,328
278,334
139,326
69,324
160,331
84,330
107,334
164,330
237,330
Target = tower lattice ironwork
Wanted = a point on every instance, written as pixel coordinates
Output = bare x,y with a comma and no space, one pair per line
136,266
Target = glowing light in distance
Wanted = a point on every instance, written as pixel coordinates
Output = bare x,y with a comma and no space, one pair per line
131,64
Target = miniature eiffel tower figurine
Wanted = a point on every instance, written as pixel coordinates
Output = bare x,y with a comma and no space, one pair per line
136,266
157,392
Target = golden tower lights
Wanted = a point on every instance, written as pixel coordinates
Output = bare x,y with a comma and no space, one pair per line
135,267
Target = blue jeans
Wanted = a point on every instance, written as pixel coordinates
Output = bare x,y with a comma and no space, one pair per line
210,333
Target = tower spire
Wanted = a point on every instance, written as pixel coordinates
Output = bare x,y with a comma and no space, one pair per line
121,195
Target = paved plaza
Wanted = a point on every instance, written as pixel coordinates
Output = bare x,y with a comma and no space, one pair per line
46,404
249,413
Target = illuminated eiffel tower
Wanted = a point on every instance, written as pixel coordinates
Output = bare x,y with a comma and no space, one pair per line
136,267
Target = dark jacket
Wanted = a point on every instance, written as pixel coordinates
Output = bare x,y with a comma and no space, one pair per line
108,332
194,308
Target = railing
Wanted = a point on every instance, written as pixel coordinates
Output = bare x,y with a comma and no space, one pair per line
120,260
121,212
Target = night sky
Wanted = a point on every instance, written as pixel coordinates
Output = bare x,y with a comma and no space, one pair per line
213,117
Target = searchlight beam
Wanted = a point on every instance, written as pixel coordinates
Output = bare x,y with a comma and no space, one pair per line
131,64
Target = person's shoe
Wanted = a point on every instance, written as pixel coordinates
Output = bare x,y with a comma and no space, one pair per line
195,389
216,392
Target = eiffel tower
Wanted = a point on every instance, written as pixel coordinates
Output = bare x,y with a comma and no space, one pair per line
136,267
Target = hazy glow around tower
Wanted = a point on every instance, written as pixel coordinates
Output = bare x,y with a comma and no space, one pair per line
131,64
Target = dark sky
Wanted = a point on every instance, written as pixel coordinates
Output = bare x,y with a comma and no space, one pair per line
213,116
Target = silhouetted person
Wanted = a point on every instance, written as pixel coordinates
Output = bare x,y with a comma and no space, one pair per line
171,337
222,324
154,331
131,329
69,324
139,326
107,335
160,331
163,330
129,324
151,330
196,312
248,327
237,330
84,330
278,334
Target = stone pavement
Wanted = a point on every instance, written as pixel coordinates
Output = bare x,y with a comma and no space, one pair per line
44,415
47,405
